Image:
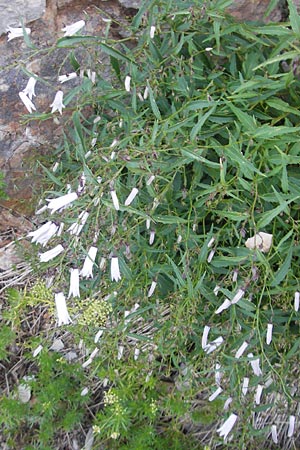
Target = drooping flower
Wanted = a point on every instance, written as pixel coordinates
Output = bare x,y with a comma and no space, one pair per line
211,255
227,426
50,254
262,241
67,77
224,306
76,227
255,365
240,293
148,223
269,333
37,350
274,434
70,30
245,385
210,243
114,269
60,202
29,89
150,180
84,391
152,237
98,336
218,374
57,104
291,429
146,93
215,394
152,288
127,83
87,269
43,234
136,353
258,393
227,403
241,350
74,283
212,346
115,200
62,310
152,31
15,32
216,289
296,301
131,196
27,102
204,337
120,351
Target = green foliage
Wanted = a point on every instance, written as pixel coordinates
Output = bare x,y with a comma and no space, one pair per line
207,134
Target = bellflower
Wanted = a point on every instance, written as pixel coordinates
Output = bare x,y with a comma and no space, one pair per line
150,180
60,202
274,434
37,351
14,32
43,234
224,306
152,288
87,270
114,269
127,83
120,351
61,309
152,31
115,200
258,393
212,346
50,254
241,350
76,227
215,394
131,196
74,283
67,77
269,333
227,426
57,104
218,374
29,89
227,403
204,337
72,29
255,365
27,102
291,426
296,301
152,237
245,385
240,293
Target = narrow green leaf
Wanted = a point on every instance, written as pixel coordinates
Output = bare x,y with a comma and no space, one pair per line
285,267
247,121
282,57
282,106
69,41
294,17
202,119
153,103
268,216
294,349
51,176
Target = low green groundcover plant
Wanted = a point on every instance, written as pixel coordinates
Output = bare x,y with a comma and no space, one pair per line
168,241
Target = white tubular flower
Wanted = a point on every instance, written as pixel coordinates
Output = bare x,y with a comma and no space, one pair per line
67,77
131,196
152,31
87,269
98,336
227,426
76,227
43,234
120,351
296,301
258,393
61,309
255,365
204,337
27,102
291,426
224,306
146,93
50,254
70,30
241,350
212,346
152,237
152,288
136,353
269,334
37,351
274,434
84,392
150,180
218,374
57,104
210,243
211,255
148,223
234,275
240,293
74,283
57,203
216,290
245,386
227,403
127,83
115,200
16,32
215,394
29,89
114,269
